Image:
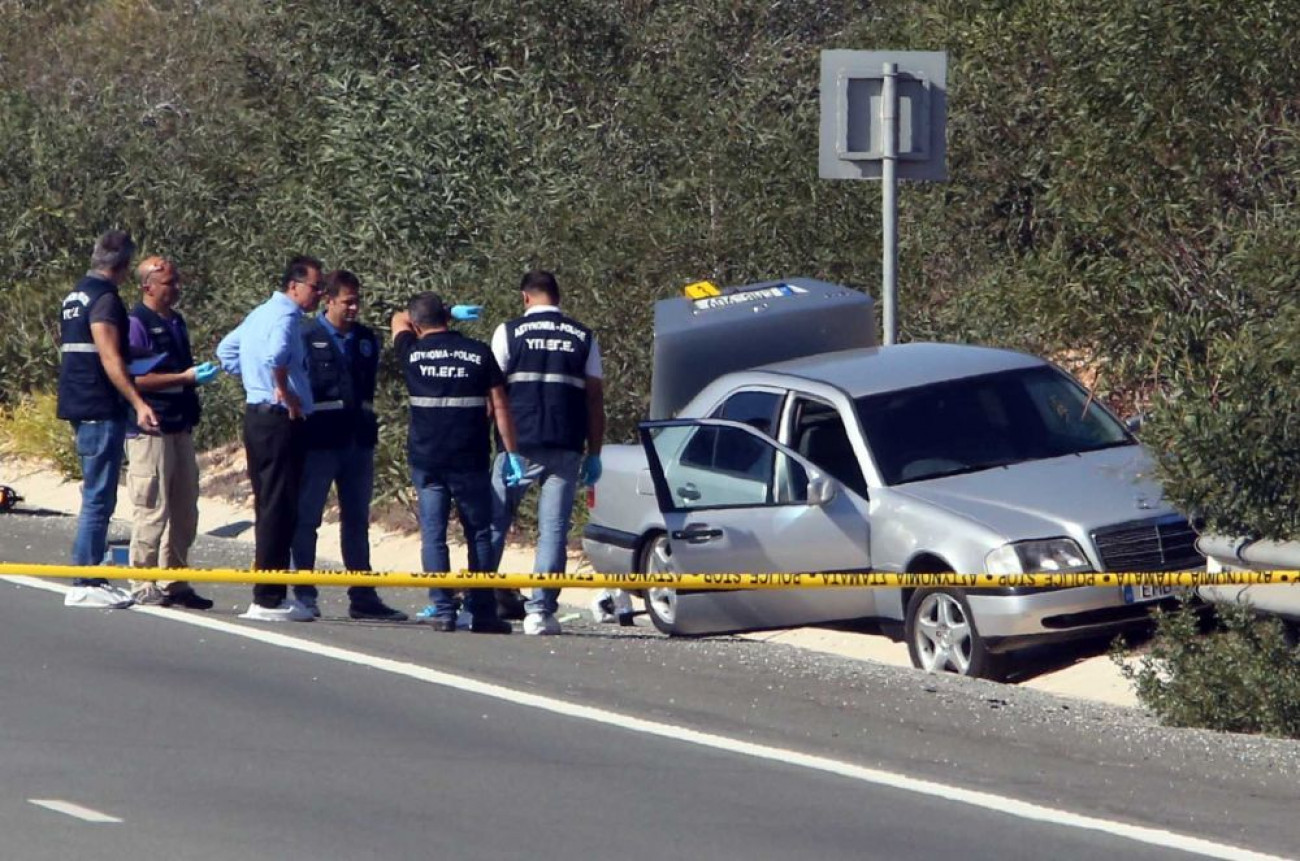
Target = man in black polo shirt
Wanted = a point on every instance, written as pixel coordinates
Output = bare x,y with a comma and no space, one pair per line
452,380
95,389
343,363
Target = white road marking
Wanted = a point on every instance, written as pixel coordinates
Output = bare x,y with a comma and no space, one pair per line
985,800
75,810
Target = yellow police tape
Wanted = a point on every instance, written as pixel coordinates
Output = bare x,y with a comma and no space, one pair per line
636,580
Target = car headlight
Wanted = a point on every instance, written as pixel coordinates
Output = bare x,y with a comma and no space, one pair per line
1052,554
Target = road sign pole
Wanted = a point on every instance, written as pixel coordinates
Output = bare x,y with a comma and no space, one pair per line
883,116
889,202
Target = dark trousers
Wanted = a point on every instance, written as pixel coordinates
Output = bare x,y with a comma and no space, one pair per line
276,451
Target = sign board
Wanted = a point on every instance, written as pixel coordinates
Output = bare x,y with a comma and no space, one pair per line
851,143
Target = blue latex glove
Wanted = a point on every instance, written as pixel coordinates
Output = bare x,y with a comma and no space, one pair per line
512,470
591,469
466,312
205,373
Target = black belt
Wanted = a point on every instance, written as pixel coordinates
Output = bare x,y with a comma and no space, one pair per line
265,408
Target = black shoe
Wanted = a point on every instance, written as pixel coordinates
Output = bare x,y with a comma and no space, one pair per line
189,599
446,626
376,611
510,604
490,626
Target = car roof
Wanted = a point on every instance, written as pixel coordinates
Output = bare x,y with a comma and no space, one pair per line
901,366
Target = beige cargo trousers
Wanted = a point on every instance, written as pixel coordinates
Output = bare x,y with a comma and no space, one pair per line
162,478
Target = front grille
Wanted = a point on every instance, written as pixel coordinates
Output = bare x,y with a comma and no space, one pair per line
1159,544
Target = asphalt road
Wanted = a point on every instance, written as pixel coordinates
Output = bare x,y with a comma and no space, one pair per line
354,741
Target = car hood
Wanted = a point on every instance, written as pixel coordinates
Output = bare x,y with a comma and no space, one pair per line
1042,498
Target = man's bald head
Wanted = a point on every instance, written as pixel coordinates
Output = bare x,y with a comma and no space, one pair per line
154,268
159,282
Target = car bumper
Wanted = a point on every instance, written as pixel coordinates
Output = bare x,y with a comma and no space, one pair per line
1009,622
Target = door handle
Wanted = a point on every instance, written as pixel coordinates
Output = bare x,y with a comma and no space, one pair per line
696,534
688,492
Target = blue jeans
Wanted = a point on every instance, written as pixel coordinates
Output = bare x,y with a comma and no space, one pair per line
559,487
351,471
99,446
472,492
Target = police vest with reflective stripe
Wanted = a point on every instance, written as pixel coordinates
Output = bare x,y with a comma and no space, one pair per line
448,377
343,387
85,392
177,407
547,380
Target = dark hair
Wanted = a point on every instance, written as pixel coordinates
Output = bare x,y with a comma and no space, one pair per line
427,310
298,268
113,251
337,280
539,282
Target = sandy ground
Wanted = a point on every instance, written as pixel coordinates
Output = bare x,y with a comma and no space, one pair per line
1084,675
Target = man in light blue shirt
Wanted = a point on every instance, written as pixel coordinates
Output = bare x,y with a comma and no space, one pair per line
266,351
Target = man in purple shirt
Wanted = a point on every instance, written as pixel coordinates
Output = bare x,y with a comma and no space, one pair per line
163,475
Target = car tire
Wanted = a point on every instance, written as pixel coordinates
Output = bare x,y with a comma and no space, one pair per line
942,638
660,602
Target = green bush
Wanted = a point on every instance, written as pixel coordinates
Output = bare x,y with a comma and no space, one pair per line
1241,676
1120,181
31,429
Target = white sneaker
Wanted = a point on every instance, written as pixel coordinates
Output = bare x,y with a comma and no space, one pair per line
106,597
288,610
602,609
541,625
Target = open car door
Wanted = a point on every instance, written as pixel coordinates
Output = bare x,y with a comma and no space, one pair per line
735,500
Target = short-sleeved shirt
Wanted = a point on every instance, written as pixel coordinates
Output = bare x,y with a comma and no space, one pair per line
109,309
141,343
501,344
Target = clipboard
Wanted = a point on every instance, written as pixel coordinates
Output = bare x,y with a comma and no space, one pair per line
143,365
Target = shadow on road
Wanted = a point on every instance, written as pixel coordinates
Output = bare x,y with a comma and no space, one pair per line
36,512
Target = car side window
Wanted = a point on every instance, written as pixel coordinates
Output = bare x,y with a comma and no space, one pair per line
770,477
740,454
760,410
820,436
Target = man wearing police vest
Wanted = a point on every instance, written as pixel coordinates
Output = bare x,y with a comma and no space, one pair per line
95,389
452,380
554,380
343,361
162,473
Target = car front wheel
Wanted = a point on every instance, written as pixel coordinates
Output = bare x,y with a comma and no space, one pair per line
660,602
942,638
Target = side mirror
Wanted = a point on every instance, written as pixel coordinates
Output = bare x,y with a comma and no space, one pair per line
1134,423
821,489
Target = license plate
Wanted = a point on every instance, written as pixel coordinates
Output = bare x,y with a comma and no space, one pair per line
1143,594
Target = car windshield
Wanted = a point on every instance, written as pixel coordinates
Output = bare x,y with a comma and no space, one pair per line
984,422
